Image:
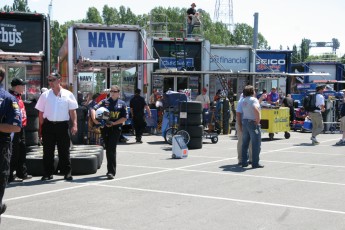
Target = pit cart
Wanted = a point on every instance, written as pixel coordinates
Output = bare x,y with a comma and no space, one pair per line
275,120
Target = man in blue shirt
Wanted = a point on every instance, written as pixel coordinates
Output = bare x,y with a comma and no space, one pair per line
10,121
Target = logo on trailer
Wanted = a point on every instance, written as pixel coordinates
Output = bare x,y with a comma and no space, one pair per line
106,39
10,35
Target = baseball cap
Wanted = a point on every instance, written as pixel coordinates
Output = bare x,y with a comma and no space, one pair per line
56,75
18,81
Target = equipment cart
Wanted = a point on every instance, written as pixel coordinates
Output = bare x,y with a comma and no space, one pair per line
274,120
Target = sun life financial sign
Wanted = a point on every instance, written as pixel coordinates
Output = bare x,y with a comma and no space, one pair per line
108,44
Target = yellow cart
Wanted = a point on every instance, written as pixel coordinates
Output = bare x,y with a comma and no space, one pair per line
274,120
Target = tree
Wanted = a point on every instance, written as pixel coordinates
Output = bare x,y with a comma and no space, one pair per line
93,16
295,55
243,35
110,15
305,49
18,5
336,44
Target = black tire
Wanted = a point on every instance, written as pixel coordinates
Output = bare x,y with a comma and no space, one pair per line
30,109
185,136
169,133
86,147
34,164
32,124
214,139
191,107
287,135
192,119
195,143
31,138
97,152
34,148
83,164
193,130
271,135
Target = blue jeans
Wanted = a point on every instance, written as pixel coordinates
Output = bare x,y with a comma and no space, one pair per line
251,132
190,28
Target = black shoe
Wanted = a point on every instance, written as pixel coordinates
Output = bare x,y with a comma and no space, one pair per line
249,162
139,141
27,177
257,166
239,163
244,165
110,176
68,177
3,209
47,178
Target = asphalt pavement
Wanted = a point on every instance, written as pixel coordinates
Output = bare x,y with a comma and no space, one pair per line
301,187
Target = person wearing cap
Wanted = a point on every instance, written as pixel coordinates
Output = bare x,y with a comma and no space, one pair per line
190,14
11,122
18,157
112,130
205,100
273,96
316,115
137,105
56,107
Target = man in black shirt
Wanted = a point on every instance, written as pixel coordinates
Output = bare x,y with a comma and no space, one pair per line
137,105
190,14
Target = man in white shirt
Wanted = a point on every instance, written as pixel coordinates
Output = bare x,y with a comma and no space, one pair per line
205,100
316,116
56,107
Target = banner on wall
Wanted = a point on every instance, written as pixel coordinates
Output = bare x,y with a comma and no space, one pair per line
229,59
107,44
86,81
268,62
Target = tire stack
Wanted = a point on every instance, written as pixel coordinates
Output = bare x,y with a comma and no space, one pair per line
85,159
80,137
190,120
31,129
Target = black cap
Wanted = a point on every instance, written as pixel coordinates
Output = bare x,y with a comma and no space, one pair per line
18,81
137,91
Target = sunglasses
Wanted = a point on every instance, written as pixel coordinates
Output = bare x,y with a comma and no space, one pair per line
112,91
52,80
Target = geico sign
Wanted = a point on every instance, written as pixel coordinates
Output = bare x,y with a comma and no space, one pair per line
270,61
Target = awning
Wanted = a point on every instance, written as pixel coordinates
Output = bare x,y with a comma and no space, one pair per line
86,63
20,56
239,74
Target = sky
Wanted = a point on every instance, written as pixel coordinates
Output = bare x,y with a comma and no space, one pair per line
281,22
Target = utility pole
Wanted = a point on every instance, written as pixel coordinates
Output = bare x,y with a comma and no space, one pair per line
50,6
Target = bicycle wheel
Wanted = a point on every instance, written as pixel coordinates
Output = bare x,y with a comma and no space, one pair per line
169,133
185,135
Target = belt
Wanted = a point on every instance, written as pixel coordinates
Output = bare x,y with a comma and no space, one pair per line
55,122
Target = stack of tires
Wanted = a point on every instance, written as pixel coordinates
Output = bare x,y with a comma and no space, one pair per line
190,120
82,118
31,129
85,159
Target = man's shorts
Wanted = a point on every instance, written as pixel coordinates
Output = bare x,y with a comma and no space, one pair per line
342,124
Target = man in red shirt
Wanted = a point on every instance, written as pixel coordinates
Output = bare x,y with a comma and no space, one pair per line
18,156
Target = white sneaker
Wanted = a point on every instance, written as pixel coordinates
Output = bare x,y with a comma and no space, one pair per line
314,140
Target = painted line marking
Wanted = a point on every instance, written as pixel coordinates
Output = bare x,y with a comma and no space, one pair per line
227,199
54,222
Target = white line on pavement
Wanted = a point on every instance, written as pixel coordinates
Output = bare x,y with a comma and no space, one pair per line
53,222
226,199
